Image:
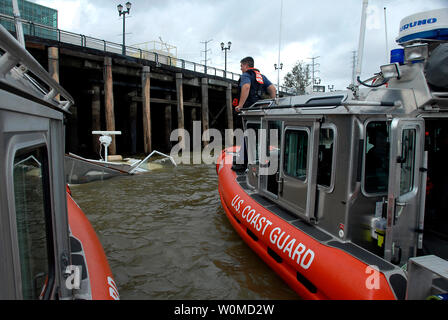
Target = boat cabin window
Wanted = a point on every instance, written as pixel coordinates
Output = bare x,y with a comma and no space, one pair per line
325,157
376,166
252,129
296,152
33,218
273,138
407,160
296,155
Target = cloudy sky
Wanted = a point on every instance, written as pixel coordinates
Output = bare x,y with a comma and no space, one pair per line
328,29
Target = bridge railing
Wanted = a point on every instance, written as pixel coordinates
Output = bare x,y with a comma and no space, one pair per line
46,32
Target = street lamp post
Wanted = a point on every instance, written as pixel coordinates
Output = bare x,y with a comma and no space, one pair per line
225,55
278,76
121,12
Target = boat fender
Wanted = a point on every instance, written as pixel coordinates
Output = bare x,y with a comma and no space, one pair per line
99,274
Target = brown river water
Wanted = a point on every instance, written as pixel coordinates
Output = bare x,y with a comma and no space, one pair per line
167,237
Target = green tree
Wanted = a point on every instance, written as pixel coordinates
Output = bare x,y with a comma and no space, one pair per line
299,78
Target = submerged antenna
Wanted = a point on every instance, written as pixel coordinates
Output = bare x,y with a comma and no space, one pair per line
385,31
361,37
18,23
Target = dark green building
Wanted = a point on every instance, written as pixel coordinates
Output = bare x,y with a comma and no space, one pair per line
40,21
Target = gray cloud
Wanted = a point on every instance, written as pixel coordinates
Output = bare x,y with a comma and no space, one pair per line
325,28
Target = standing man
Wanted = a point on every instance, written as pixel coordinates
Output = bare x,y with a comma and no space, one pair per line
252,85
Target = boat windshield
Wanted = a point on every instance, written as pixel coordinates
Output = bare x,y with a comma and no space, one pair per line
31,189
252,129
376,168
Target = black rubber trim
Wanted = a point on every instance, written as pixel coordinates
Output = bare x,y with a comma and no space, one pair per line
307,283
78,260
262,200
251,234
289,217
274,255
75,245
399,284
363,255
311,231
282,213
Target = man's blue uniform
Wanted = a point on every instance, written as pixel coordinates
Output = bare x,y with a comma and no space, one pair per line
256,88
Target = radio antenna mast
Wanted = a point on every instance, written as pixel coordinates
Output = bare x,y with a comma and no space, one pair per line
361,37
279,64
353,67
385,31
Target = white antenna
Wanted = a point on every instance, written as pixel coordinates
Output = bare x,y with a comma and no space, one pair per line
385,31
361,37
279,47
18,22
353,67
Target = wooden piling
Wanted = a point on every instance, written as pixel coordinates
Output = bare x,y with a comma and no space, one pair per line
180,109
204,109
109,102
168,128
146,109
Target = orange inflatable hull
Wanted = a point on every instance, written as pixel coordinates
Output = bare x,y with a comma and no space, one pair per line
312,269
102,285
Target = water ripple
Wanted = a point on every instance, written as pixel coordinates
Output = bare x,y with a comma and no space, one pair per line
167,237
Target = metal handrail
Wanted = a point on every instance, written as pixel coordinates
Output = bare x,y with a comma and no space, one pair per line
16,54
107,46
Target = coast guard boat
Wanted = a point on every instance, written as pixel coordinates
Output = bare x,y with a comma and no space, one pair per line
48,248
344,194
